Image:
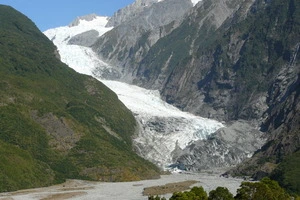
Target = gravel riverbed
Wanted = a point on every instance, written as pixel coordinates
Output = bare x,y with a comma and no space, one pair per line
87,190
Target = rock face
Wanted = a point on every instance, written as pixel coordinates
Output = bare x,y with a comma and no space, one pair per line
241,70
85,39
227,147
85,17
192,73
153,60
228,60
282,123
220,65
140,28
232,60
129,12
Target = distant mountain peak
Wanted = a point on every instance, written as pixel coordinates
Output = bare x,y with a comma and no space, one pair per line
89,17
139,6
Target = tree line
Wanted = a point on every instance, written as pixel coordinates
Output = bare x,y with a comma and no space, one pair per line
266,189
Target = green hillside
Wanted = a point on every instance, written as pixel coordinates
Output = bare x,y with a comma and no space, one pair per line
56,123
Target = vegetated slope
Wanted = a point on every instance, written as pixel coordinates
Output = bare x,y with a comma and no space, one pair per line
247,68
56,123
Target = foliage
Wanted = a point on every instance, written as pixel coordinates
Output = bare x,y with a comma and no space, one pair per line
220,193
288,173
33,80
18,169
196,193
156,198
265,189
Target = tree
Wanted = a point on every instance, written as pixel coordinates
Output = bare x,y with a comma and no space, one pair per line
196,193
220,193
179,196
278,192
156,198
199,192
266,189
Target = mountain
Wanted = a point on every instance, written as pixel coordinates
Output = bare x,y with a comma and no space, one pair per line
162,128
137,28
234,61
159,66
229,60
54,122
240,70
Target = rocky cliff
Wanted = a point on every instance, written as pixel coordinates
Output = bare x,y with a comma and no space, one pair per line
226,147
140,28
279,157
195,73
129,12
235,61
231,60
247,69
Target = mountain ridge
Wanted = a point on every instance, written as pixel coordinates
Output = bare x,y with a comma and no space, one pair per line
158,133
240,64
55,123
162,126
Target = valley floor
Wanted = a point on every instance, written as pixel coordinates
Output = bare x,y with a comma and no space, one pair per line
81,190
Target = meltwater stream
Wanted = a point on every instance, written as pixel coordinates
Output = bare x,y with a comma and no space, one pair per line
163,128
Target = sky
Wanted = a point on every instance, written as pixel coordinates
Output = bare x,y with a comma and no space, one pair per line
48,14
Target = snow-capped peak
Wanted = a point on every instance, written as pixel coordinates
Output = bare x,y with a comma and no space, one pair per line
70,53
79,25
89,17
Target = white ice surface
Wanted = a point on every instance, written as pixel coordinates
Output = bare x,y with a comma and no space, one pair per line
162,125
81,59
195,1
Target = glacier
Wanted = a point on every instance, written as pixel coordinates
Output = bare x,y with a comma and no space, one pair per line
163,128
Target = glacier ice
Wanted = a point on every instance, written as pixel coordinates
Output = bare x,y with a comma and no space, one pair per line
162,127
